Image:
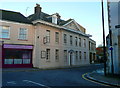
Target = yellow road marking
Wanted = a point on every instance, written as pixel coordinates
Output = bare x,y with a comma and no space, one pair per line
83,76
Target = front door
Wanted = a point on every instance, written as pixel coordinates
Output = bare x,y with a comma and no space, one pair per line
71,59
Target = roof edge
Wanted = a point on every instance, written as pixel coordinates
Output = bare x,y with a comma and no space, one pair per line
60,27
15,22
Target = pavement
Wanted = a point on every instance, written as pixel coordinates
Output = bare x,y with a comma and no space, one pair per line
37,69
98,76
19,69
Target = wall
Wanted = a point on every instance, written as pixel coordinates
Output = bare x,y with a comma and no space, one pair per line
40,46
115,50
68,47
14,31
114,14
92,50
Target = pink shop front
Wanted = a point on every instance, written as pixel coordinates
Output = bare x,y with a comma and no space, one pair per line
16,56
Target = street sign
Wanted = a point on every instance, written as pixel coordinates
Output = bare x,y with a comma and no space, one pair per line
111,48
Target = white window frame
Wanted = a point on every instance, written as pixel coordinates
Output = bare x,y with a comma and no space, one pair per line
76,55
76,41
85,55
26,34
71,40
48,37
54,19
65,55
57,37
48,55
57,54
80,55
65,38
8,31
84,43
80,42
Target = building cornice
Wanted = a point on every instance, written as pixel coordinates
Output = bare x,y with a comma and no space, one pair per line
61,27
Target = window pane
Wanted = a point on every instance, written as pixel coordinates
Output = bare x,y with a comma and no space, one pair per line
76,55
0,28
79,54
47,54
65,38
65,55
23,33
84,42
84,55
8,61
26,61
4,32
56,37
57,54
5,35
5,27
17,56
80,42
76,41
48,36
17,61
70,40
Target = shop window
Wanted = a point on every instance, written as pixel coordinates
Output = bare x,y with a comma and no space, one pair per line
17,56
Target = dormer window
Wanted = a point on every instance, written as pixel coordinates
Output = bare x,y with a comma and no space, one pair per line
54,19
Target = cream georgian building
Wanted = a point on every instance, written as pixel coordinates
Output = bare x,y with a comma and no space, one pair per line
42,40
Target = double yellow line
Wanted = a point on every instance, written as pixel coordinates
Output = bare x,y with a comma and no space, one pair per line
83,76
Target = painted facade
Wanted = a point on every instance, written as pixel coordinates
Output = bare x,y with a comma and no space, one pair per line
113,44
13,44
92,51
49,42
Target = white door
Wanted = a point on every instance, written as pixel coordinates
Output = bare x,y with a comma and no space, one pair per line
71,58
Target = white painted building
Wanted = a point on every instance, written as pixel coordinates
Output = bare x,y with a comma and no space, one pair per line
114,20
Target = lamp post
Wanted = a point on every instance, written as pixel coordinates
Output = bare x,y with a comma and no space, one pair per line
104,48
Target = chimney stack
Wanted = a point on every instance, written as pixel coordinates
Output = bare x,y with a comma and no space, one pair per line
37,8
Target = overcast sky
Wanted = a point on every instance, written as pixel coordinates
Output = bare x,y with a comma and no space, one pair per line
87,14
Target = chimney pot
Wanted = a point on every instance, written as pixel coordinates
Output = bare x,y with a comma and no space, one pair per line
37,8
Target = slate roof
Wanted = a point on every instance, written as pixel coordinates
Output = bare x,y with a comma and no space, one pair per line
46,17
18,17
13,16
